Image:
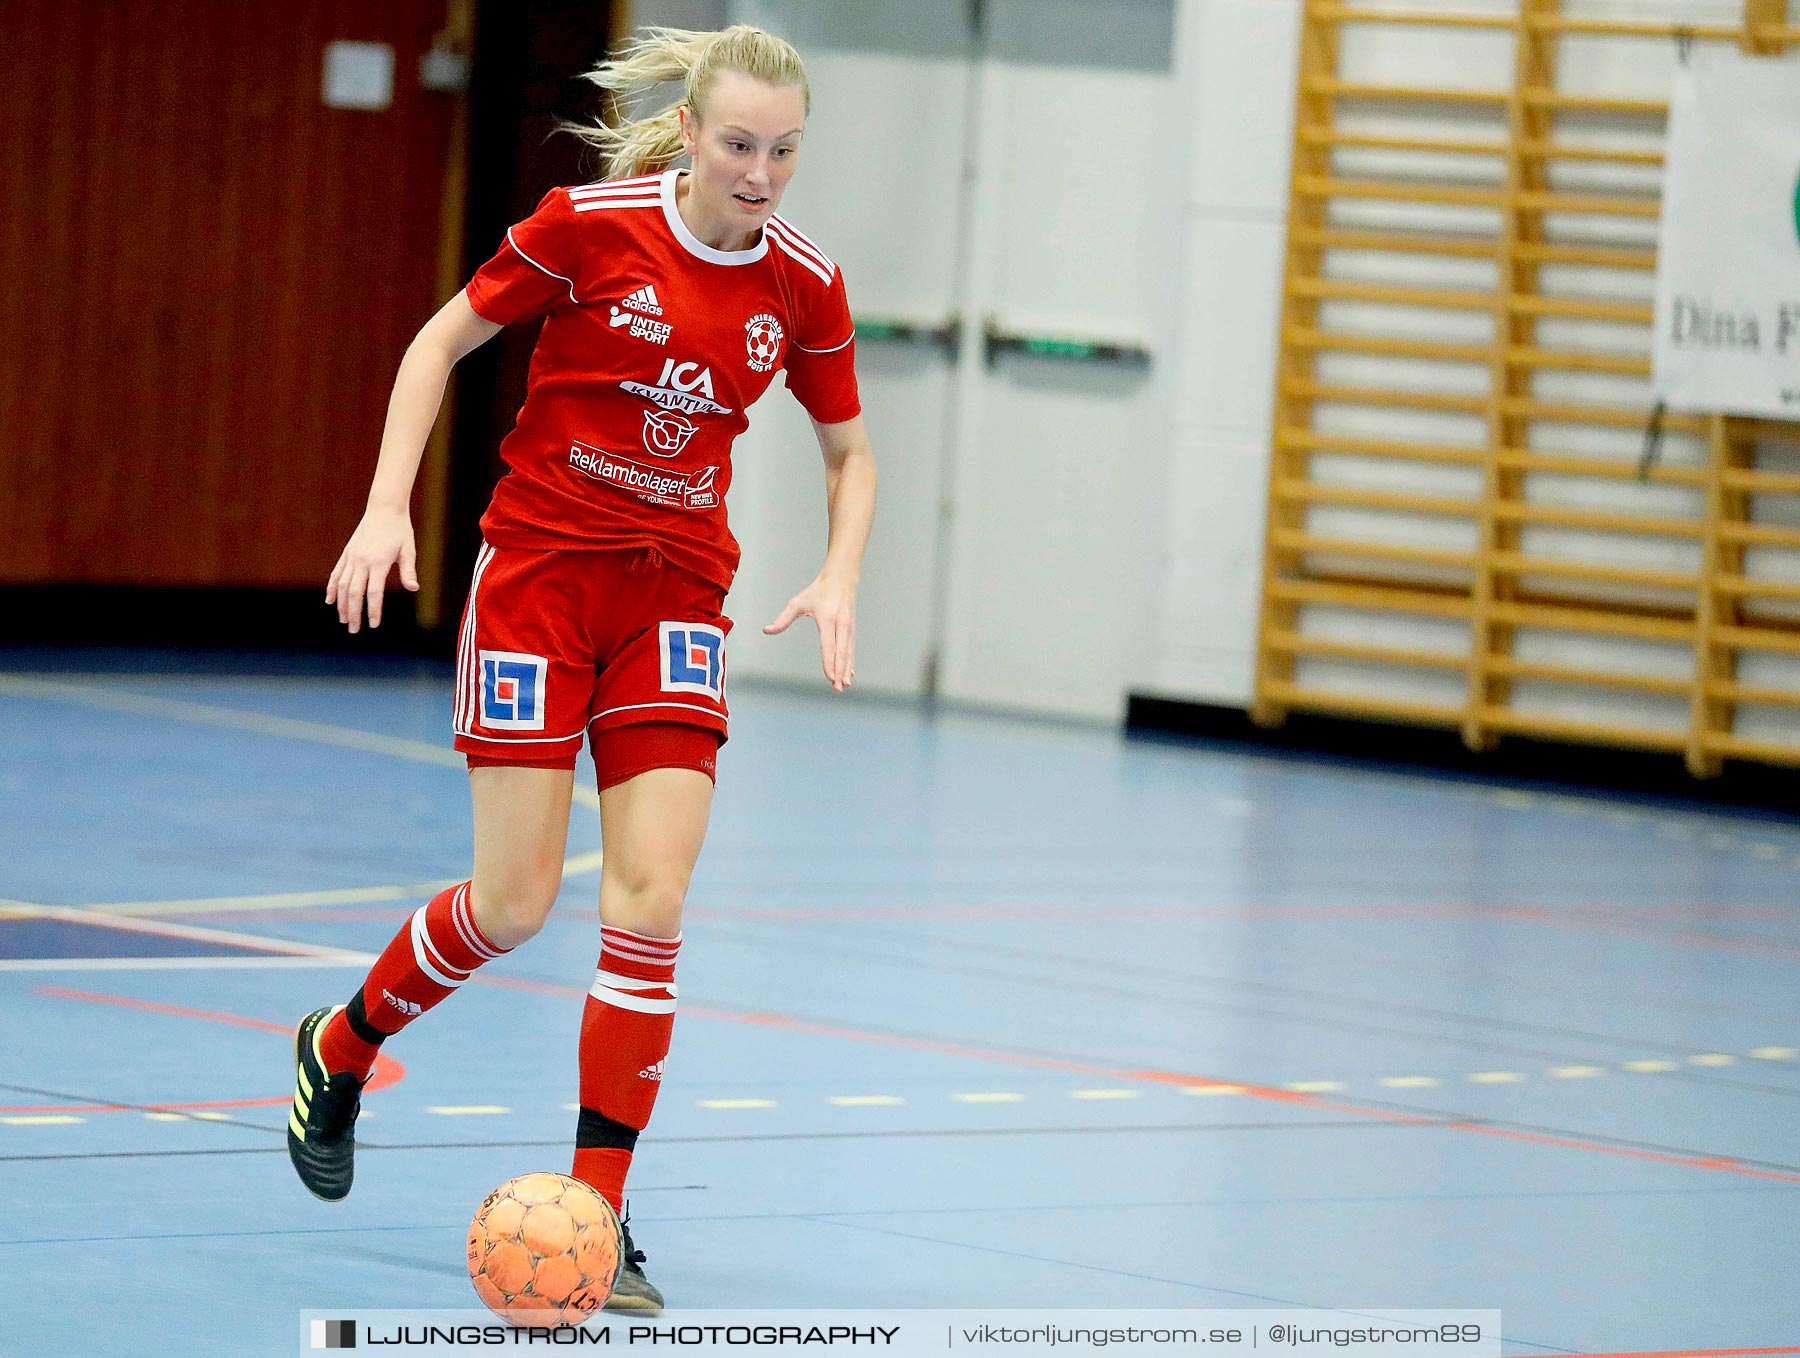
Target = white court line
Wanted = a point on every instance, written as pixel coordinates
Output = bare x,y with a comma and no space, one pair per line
573,866
347,959
193,933
323,733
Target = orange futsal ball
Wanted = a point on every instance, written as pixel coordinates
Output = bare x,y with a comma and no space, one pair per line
544,1250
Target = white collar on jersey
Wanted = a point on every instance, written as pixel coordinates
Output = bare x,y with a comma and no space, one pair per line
693,244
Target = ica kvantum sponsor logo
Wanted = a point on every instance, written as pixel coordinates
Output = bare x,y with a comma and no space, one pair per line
686,387
660,485
762,339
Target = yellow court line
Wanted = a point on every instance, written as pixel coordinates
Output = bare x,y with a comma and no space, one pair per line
995,1097
290,728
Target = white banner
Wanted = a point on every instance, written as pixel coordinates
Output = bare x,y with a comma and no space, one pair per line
1728,272
1367,1333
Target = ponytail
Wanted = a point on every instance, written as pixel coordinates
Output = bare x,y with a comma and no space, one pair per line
658,56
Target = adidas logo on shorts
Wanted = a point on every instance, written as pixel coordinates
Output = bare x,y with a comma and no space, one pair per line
406,1007
644,300
652,1072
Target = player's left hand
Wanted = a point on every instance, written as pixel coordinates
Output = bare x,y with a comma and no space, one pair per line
831,603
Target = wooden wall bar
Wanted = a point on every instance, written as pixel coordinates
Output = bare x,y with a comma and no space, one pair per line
1461,530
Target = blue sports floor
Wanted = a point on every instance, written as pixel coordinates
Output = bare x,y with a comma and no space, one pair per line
975,1012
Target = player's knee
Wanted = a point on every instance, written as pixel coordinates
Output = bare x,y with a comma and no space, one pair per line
646,903
512,912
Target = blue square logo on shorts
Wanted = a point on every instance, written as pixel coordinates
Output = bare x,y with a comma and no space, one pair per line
512,691
693,659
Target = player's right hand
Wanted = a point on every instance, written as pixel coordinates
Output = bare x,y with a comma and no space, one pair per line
383,539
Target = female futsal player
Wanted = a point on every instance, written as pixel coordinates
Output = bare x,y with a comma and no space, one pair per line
670,298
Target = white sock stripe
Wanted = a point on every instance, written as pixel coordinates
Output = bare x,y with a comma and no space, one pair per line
464,920
618,981
614,932
630,944
618,999
649,959
434,959
423,954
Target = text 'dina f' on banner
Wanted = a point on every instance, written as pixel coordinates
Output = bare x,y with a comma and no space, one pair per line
1728,268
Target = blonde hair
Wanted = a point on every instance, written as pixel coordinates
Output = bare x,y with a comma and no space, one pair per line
655,56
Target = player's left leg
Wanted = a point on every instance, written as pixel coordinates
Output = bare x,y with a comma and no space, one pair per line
653,821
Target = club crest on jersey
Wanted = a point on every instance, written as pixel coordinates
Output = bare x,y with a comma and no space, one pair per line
512,691
693,659
686,387
666,432
762,338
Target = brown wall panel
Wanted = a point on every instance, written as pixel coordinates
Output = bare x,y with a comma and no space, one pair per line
211,279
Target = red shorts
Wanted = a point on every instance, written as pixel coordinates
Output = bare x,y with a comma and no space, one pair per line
617,645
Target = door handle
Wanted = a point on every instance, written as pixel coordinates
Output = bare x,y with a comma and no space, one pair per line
945,334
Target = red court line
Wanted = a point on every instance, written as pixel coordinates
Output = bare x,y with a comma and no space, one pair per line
387,1070
1723,1163
1685,1353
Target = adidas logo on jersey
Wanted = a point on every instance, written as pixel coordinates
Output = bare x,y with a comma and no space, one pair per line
644,300
652,1072
407,1007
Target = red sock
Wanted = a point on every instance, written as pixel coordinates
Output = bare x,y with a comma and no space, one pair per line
625,1031
434,952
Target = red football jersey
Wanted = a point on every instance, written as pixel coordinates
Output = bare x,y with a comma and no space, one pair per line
653,348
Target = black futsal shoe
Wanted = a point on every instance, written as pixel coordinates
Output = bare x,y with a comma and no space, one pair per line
632,1292
321,1134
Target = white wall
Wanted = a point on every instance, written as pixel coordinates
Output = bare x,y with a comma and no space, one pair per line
1021,174
1234,101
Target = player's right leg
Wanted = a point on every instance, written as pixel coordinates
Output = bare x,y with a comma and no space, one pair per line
521,828
524,679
